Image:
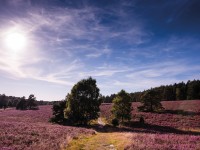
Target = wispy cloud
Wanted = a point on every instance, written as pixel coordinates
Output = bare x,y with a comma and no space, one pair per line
66,32
111,43
152,75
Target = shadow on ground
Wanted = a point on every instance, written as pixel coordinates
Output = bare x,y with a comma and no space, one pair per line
180,112
141,128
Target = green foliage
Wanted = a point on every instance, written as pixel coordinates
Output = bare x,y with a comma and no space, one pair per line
177,91
83,102
193,90
22,104
151,101
58,112
108,99
31,102
3,101
115,122
122,106
141,121
135,97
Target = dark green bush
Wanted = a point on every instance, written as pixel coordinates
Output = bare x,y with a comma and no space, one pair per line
142,121
115,122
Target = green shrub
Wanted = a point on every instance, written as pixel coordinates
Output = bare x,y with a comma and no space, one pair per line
141,121
115,122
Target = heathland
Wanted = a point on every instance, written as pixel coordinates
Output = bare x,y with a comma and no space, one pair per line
177,127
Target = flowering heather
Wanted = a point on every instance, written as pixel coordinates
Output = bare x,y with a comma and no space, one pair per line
166,131
171,119
30,129
149,141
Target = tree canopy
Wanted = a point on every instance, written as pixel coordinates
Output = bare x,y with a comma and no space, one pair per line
83,102
24,104
151,101
31,102
122,106
58,112
3,101
177,91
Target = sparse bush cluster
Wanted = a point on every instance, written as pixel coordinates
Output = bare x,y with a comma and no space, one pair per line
82,104
30,103
21,102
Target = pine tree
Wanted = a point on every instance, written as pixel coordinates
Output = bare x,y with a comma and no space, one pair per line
122,106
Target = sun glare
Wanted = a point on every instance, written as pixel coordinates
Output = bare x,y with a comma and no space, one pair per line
15,41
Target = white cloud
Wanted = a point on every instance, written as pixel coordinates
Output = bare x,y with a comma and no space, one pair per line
66,44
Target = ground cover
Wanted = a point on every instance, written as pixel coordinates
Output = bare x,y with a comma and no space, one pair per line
30,129
178,127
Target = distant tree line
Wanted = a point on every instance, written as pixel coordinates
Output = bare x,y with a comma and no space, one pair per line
177,91
29,103
12,101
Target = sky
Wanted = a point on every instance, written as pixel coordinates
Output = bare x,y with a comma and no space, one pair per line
123,44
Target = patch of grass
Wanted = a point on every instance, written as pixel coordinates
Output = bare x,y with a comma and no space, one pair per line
191,129
100,141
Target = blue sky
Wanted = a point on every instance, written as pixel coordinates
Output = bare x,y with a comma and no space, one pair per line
132,45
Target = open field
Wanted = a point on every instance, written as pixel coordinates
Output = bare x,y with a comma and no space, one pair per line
30,129
177,114
176,128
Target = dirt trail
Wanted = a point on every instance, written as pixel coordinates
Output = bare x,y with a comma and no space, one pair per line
101,141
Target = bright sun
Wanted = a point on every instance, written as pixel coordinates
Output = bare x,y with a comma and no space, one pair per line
15,41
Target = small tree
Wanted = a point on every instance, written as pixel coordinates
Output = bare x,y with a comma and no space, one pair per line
3,101
151,101
22,104
83,102
58,112
122,106
31,102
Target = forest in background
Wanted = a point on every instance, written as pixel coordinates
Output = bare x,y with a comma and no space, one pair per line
12,101
177,91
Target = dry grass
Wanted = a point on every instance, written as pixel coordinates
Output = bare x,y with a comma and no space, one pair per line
101,141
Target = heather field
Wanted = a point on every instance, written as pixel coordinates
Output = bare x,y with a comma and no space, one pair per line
30,129
177,114
177,128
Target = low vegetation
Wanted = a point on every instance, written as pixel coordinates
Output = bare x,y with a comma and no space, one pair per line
30,103
30,129
150,124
